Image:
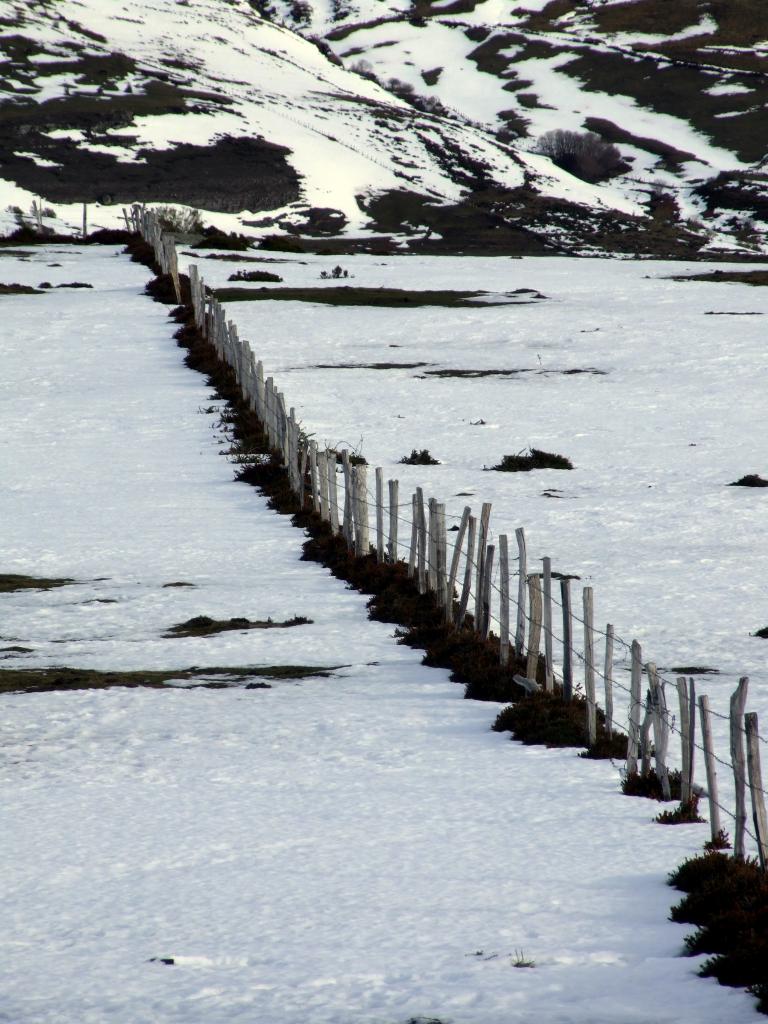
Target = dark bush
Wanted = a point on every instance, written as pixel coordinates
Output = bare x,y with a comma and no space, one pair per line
422,458
546,718
583,154
254,275
650,785
535,459
685,814
750,480
280,243
232,242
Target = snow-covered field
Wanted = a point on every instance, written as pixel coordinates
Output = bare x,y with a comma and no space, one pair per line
359,848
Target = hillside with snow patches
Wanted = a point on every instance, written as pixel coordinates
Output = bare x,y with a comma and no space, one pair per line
276,117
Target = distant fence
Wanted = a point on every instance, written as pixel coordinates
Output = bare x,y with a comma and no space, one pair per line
468,582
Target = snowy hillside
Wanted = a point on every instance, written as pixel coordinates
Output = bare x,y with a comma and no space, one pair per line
206,104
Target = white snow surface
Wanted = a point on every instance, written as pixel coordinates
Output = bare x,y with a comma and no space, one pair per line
359,849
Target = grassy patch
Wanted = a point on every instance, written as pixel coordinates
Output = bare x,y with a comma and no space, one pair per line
686,813
237,243
255,275
346,295
535,459
202,625
44,680
18,289
649,785
10,582
757,278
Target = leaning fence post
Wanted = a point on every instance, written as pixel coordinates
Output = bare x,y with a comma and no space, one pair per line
635,708
565,599
394,498
756,790
454,572
534,639
710,767
504,600
608,679
738,703
589,665
522,586
485,627
549,678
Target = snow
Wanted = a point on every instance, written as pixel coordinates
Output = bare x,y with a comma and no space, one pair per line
358,849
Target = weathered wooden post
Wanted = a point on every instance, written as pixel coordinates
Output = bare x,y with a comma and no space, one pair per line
361,482
534,639
379,514
565,600
522,587
685,740
422,532
589,665
756,791
635,708
432,545
349,505
487,576
333,493
503,600
461,611
414,548
710,767
482,541
608,679
454,571
738,760
394,499
660,728
441,553
549,678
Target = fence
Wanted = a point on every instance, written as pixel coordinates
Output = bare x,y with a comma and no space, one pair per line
468,593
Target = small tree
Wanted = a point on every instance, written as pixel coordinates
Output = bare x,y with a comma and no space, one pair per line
583,154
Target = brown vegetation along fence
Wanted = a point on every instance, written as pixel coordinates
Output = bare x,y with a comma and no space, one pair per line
472,595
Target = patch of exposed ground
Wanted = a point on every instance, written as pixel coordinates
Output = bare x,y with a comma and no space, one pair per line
202,625
346,295
10,582
753,277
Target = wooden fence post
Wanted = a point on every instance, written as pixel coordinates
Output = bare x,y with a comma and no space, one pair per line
432,545
549,678
534,638
756,790
421,526
413,550
333,493
608,679
685,740
349,515
645,736
660,729
691,730
461,611
482,541
522,588
635,708
487,577
710,767
394,499
503,600
454,571
312,468
361,487
441,552
589,664
379,514
322,467
738,760
565,600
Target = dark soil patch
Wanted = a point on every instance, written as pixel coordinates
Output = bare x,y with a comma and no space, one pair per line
369,366
16,650
237,243
711,312
236,257
535,459
10,582
202,625
44,680
255,275
694,670
514,373
750,480
347,295
18,289
178,583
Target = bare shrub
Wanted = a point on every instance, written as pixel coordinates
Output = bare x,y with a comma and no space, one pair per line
583,154
185,221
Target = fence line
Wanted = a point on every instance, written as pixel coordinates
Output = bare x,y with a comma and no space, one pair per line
313,475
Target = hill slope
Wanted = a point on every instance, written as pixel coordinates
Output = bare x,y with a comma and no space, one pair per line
212,106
